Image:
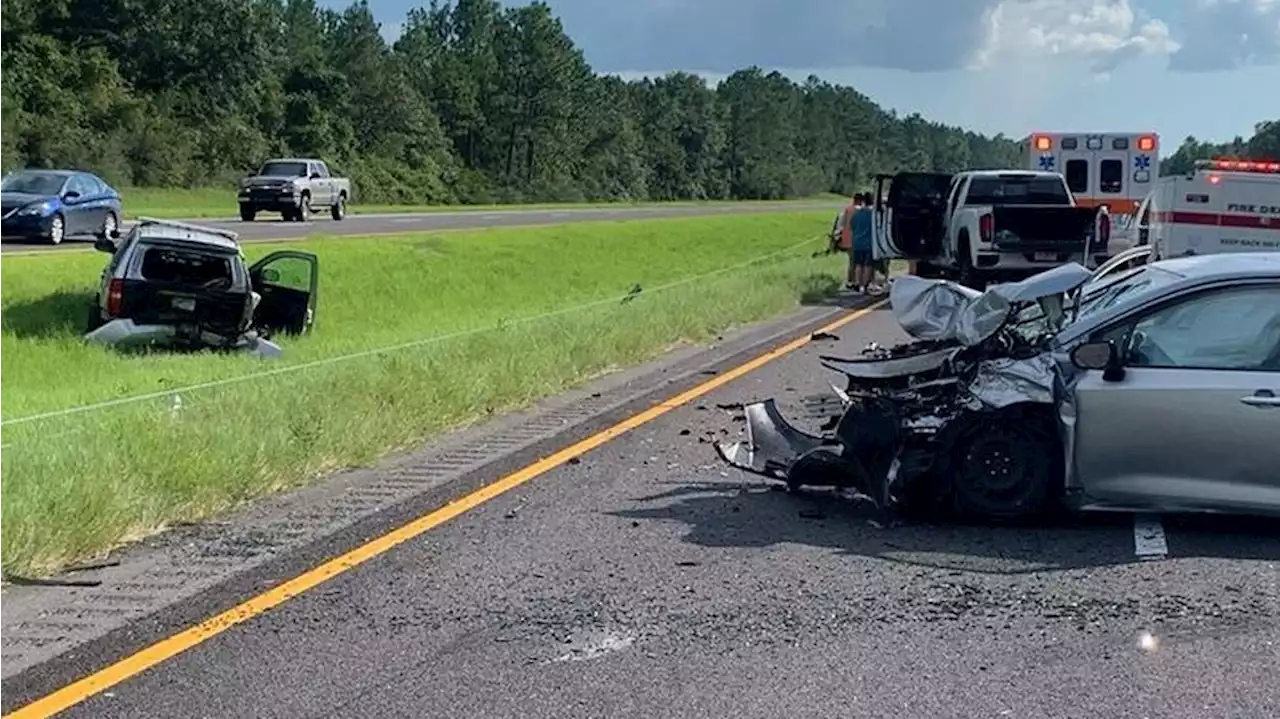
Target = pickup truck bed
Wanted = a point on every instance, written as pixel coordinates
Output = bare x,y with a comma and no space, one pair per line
1032,228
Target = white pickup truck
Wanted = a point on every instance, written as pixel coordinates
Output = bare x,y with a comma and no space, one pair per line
985,225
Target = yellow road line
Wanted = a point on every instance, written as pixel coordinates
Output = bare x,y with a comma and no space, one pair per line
165,649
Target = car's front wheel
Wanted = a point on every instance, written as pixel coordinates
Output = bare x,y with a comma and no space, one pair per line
110,225
1006,465
57,230
247,213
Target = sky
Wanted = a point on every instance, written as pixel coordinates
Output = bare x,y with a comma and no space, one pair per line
1208,68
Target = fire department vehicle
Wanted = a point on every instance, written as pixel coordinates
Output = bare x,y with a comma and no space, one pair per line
1223,206
1112,169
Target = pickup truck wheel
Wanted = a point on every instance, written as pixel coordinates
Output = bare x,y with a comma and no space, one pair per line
303,213
338,209
247,213
969,275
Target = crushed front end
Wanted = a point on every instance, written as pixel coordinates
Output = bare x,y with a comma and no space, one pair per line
962,414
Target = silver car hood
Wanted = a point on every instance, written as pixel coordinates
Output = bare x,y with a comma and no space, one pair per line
944,310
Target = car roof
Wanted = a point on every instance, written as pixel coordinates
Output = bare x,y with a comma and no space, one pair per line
187,235
290,159
43,171
1010,173
1225,264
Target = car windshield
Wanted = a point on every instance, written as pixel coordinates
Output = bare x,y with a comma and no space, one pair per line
35,183
1121,287
284,169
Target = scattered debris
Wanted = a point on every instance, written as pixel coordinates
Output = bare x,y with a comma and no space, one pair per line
575,460
819,336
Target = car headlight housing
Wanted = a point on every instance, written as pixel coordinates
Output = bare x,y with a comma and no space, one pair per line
39,208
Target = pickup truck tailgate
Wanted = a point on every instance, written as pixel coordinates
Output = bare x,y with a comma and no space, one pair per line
1043,228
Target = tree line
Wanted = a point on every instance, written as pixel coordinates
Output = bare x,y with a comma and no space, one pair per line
474,103
1264,145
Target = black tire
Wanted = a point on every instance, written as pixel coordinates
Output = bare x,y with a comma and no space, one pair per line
287,214
1006,466
303,213
110,224
95,319
247,213
57,229
969,276
338,210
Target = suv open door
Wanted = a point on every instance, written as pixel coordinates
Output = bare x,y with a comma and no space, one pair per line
910,219
287,282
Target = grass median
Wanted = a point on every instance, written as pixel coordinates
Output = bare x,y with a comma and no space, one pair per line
219,202
495,320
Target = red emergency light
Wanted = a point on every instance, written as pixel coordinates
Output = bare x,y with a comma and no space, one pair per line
1228,165
1043,143
1146,143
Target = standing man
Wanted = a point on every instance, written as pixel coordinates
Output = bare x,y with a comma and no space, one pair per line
860,260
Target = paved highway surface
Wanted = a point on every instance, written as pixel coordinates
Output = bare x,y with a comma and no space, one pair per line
276,229
648,580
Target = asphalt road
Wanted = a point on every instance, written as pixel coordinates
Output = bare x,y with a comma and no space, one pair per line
275,229
648,580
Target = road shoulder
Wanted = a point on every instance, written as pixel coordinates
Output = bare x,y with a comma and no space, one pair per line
55,634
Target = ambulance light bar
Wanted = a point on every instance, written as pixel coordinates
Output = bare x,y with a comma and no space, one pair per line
1264,166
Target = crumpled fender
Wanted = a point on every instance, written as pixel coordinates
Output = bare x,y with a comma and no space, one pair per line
776,449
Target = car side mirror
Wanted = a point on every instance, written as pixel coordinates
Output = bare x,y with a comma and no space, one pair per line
70,195
105,244
1094,355
315,176
1100,355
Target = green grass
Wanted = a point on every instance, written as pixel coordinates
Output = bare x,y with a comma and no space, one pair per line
80,484
221,203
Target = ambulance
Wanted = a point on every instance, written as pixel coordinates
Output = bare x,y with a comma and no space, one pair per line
1114,169
1223,206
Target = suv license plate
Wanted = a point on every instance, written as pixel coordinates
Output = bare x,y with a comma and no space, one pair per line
186,304
1046,257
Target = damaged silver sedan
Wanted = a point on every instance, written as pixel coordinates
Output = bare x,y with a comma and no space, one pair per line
1156,388
172,284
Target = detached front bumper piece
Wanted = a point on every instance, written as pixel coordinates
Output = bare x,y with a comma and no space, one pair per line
777,450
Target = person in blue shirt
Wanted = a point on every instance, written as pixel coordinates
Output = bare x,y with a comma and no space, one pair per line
861,263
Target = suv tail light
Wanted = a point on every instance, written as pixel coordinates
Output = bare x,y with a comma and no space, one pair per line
115,297
986,228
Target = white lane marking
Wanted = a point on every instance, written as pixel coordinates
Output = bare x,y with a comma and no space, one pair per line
406,220
1148,537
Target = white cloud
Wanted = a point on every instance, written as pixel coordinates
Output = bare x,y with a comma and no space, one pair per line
1103,32
1227,34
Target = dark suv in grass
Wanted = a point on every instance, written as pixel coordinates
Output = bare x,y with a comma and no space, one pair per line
174,283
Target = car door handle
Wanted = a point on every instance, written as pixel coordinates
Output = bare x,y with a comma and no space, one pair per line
1262,398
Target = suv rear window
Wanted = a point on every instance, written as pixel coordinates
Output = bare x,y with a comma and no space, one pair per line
187,269
1014,190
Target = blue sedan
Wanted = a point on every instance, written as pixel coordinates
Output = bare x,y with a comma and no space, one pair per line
51,205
